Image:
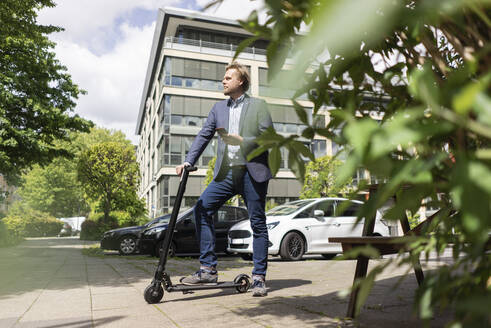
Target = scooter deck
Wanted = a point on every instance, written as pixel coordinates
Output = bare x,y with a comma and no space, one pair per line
218,285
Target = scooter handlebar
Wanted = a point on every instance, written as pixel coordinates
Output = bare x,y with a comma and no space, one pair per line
190,168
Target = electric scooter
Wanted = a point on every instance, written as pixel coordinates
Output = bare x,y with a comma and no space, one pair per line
154,292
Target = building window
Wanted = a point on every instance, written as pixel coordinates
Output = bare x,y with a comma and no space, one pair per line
188,141
284,158
163,195
192,121
184,33
279,127
319,148
166,155
291,128
175,150
176,120
190,201
209,152
179,148
191,73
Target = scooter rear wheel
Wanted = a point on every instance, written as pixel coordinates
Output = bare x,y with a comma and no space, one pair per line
244,282
152,294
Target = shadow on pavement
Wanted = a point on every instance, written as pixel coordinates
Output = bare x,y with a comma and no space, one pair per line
387,306
273,285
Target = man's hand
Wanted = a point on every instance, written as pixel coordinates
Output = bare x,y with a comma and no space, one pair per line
232,139
180,168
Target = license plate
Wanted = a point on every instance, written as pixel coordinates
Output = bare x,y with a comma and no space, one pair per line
237,241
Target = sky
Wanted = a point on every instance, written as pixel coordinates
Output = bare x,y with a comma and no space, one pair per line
106,47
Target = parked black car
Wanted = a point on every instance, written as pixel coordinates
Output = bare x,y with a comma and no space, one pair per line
184,240
125,239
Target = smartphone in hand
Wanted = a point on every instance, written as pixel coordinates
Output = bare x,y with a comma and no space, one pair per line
222,131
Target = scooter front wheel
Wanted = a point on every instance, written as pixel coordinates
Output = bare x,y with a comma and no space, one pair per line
244,283
153,294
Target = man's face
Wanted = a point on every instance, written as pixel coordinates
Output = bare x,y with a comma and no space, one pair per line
232,84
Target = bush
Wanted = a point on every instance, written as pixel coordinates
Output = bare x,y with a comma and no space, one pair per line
125,219
32,224
94,227
6,238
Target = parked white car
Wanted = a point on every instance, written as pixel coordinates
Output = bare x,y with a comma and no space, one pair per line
303,227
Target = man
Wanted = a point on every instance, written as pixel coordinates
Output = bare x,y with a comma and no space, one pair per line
245,118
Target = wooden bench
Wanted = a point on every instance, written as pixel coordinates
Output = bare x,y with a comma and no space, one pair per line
385,245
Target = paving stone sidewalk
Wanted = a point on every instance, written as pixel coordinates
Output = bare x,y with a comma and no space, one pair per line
48,282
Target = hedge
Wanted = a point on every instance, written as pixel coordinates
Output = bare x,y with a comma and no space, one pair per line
6,238
40,225
94,227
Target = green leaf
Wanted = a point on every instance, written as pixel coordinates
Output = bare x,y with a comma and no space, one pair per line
301,113
308,133
463,101
423,86
359,134
482,106
274,160
256,152
346,171
425,308
480,175
296,164
470,194
302,149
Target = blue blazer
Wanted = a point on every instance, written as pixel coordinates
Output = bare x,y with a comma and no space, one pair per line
254,119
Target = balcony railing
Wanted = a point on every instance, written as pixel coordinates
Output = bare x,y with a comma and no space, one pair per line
215,48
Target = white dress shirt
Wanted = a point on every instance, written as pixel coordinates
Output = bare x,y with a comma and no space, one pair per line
235,156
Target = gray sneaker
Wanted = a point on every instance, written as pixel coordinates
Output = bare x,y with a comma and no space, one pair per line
201,277
259,288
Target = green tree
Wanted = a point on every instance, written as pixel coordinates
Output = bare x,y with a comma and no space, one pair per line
36,92
83,141
424,68
320,179
54,188
209,171
109,175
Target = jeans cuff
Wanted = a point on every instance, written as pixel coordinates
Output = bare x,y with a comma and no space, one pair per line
258,277
208,269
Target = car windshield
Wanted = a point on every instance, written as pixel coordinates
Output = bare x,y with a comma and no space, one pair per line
160,220
288,208
166,218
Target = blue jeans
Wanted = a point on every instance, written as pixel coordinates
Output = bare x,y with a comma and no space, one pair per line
237,181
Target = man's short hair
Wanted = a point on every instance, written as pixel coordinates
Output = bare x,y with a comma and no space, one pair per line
243,74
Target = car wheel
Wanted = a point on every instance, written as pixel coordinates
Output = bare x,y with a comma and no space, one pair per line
172,249
127,245
246,256
292,247
329,256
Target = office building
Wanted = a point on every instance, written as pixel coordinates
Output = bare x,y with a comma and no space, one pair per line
190,51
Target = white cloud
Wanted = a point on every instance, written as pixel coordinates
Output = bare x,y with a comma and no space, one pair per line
108,57
83,20
114,81
232,9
